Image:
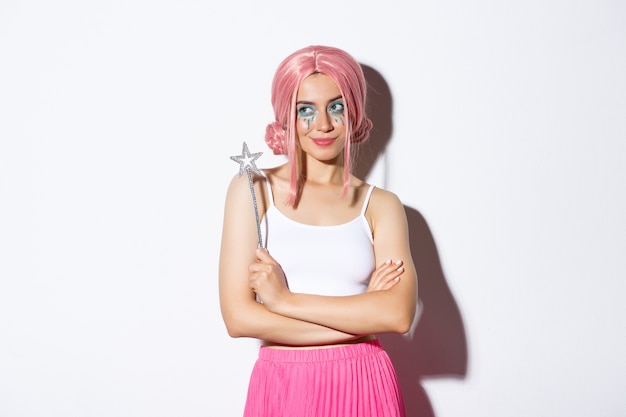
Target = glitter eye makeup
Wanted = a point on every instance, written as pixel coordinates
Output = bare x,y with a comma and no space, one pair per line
336,110
307,114
306,111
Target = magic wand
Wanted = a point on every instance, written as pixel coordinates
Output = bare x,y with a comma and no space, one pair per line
246,163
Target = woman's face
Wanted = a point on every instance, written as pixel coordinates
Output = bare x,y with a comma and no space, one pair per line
320,123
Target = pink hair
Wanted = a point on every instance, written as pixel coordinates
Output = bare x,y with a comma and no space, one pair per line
346,72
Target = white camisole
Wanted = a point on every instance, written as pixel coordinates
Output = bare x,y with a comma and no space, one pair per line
324,260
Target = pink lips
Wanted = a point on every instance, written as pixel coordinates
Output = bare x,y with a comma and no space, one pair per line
323,142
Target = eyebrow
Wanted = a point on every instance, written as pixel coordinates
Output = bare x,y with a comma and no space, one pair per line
310,102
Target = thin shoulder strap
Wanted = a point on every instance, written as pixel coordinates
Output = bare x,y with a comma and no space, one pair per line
269,188
367,199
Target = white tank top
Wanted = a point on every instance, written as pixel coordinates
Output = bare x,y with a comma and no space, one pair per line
323,260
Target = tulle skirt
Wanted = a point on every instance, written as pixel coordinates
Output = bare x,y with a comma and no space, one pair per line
346,381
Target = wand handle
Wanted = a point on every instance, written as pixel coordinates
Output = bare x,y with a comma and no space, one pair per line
256,209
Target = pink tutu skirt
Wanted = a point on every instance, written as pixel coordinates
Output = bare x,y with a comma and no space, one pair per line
346,381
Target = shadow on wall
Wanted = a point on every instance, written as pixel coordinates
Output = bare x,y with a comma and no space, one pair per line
436,347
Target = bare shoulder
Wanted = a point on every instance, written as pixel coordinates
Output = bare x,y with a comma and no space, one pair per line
385,209
383,200
239,225
239,186
239,189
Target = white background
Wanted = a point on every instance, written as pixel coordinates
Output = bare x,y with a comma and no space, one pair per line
501,125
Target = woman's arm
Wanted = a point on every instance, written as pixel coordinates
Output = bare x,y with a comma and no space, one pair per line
386,311
242,314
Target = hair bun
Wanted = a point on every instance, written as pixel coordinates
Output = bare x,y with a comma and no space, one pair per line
362,132
276,139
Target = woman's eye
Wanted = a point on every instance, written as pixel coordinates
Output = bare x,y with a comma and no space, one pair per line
306,111
336,108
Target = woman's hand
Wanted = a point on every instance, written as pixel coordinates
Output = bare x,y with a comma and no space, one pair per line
267,279
385,276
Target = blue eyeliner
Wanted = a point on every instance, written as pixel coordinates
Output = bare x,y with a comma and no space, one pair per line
335,109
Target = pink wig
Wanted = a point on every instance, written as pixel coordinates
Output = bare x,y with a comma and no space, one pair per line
346,72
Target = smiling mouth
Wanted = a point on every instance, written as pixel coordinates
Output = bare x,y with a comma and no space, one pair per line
323,142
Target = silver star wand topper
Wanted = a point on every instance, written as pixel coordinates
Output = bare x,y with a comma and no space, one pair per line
246,163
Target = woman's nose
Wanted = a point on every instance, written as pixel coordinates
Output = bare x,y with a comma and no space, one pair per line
324,122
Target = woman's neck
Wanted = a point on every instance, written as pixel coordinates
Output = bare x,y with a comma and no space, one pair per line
319,172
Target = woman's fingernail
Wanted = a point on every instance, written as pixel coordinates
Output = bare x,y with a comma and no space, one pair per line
398,262
400,269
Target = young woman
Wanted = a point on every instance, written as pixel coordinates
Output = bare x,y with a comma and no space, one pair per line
337,267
